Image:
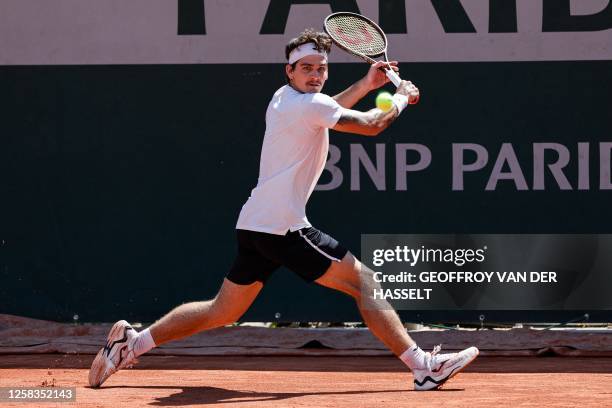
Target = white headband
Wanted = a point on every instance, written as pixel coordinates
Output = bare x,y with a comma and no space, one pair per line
304,50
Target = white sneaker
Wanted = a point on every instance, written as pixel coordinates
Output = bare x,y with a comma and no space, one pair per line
117,354
441,367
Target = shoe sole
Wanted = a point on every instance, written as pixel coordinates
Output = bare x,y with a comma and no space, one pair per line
98,366
454,373
458,371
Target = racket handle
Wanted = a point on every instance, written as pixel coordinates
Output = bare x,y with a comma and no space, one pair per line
392,75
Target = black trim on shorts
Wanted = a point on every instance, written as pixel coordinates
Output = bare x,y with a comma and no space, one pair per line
308,252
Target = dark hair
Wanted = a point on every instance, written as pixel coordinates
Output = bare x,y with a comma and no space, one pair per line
322,42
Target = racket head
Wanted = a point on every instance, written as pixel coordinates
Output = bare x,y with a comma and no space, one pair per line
356,34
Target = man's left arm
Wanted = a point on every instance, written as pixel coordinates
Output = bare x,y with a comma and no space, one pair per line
374,79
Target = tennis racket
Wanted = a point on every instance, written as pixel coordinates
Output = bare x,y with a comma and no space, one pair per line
360,36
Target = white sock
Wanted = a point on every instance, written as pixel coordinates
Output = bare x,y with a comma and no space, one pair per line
144,342
413,357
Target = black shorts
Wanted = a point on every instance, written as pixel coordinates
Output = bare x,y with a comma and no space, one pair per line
307,252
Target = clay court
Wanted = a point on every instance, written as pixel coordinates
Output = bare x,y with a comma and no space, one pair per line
311,367
234,381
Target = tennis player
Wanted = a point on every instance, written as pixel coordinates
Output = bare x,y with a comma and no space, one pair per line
273,231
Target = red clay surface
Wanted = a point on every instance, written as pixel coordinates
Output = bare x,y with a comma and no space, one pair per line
316,382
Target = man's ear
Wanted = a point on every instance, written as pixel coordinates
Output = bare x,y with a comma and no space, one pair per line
289,70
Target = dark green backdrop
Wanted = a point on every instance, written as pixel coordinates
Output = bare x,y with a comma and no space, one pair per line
120,185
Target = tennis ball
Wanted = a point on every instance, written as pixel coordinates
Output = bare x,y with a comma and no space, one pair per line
384,101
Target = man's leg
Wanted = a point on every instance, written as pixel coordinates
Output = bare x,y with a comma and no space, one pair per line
352,278
430,370
124,344
231,302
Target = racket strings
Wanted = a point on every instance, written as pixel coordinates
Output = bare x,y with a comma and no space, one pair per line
356,35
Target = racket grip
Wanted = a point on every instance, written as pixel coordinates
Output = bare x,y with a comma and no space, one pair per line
392,75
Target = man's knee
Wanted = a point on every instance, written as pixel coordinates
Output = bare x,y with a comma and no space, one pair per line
349,276
365,283
232,301
224,313
361,283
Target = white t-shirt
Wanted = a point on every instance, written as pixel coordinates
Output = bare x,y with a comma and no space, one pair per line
293,156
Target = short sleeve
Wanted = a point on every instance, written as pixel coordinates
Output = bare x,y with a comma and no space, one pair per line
322,110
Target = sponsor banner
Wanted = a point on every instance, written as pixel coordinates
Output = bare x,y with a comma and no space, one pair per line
487,272
68,32
472,167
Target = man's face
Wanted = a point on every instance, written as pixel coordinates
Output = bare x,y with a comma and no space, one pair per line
309,74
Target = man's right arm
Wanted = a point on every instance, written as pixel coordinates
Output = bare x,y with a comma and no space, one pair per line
369,123
373,122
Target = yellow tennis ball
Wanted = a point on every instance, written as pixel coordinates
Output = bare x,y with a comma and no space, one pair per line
384,101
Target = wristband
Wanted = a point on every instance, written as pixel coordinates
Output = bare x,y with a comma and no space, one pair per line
400,101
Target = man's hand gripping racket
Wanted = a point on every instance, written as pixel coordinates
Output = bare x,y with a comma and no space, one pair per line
360,36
